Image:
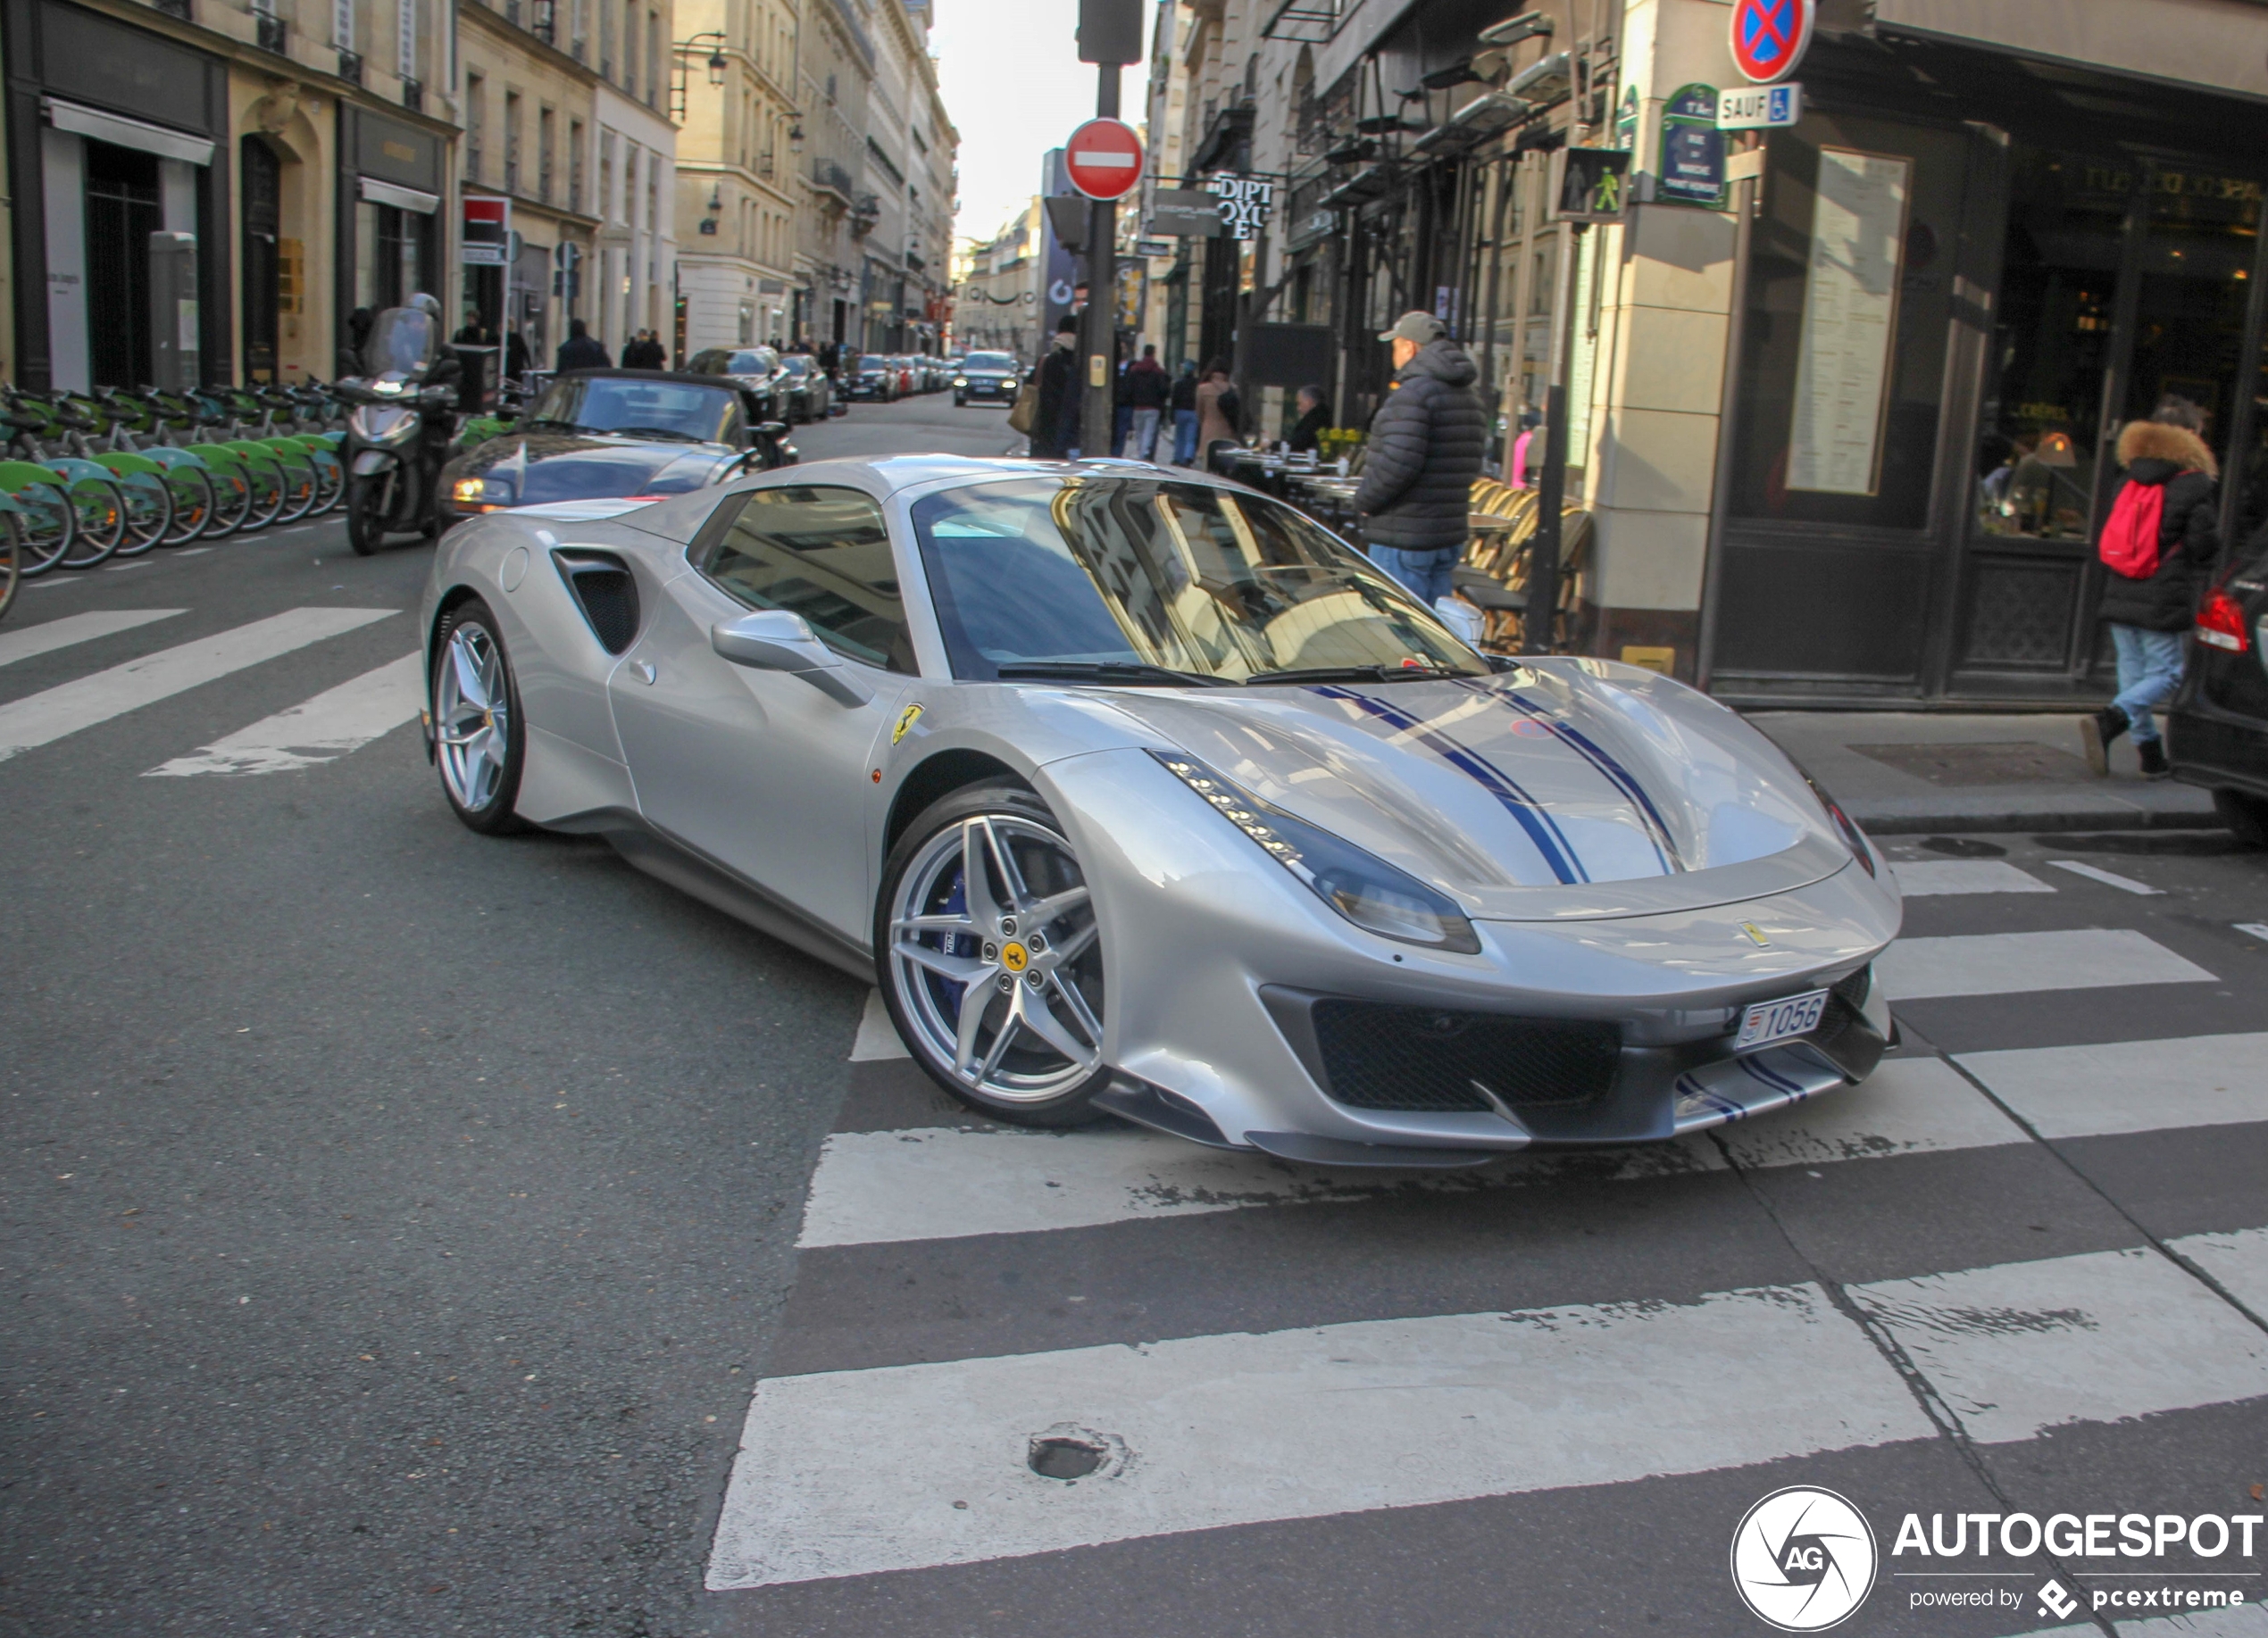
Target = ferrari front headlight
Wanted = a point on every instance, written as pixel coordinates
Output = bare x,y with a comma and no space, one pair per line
470,489
1372,893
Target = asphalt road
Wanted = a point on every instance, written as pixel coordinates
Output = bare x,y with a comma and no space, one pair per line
394,1218
398,1223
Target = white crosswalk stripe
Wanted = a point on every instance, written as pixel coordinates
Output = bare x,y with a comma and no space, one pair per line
1937,877
85,702
2131,1085
49,635
320,729
2012,963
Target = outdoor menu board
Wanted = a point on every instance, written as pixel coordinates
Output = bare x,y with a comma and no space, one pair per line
1850,316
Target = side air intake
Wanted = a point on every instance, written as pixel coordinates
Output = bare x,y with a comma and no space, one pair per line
606,593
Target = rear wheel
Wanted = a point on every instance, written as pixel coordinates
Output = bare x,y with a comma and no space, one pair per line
99,512
231,503
990,958
49,522
478,741
2245,814
149,517
11,558
267,485
194,502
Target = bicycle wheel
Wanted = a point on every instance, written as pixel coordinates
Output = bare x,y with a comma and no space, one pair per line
100,510
149,517
193,502
301,488
267,494
330,484
11,559
232,501
48,525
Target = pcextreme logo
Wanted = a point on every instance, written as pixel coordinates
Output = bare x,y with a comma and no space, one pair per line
1804,1560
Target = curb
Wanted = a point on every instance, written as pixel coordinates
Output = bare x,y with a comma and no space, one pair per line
2051,820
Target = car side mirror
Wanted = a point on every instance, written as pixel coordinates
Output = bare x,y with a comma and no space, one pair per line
779,640
772,429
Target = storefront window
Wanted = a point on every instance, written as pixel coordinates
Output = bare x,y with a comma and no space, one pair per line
122,210
1849,301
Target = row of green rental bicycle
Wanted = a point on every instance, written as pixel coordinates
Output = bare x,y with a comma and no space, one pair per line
117,472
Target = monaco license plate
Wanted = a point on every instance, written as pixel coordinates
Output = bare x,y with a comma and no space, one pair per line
1768,1021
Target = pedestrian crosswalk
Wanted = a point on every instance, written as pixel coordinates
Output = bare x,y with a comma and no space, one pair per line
1218,1343
338,719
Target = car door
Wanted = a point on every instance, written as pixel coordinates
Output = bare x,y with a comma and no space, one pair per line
761,770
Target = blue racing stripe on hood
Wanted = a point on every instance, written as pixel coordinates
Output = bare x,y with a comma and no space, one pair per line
1666,845
1541,829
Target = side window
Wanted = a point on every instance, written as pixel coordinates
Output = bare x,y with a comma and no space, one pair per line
821,552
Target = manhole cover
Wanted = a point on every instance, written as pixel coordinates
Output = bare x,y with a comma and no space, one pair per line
2021,761
1069,1452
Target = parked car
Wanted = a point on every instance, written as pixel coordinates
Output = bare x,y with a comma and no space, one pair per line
908,381
874,377
596,434
806,394
991,377
755,370
2217,729
1148,797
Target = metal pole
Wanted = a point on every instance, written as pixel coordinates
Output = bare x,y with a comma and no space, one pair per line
1744,229
1098,338
1539,625
2242,428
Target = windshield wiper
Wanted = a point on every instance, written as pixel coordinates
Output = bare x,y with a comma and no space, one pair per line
654,432
1352,674
1110,672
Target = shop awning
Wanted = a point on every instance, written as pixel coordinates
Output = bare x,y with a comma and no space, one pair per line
2222,45
400,198
120,132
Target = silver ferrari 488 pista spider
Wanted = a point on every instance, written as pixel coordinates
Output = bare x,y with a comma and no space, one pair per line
1139,793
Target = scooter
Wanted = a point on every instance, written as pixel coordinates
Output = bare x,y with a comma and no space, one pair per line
400,425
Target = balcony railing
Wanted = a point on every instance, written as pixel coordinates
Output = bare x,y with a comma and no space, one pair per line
350,67
174,8
269,32
414,95
828,174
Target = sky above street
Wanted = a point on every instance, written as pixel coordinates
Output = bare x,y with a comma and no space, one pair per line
1015,87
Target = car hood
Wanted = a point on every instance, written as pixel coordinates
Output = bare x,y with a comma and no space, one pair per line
1584,789
574,466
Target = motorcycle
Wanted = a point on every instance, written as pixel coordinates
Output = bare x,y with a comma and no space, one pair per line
400,427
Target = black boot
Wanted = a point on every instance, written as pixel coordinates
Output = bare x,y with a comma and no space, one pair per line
2153,755
2098,731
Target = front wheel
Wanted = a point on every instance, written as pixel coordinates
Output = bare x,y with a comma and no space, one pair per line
990,958
478,741
366,514
10,557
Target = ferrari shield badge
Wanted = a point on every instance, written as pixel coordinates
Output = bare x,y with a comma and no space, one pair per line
907,718
1755,935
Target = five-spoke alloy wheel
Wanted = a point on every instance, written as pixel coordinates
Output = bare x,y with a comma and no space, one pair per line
991,957
478,737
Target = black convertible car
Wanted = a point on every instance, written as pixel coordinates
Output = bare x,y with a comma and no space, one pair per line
616,434
2217,729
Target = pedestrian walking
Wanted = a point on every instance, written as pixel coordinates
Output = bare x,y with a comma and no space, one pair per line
1523,449
1148,390
515,354
1217,410
1423,453
645,352
1185,414
2159,545
1054,423
582,350
1314,416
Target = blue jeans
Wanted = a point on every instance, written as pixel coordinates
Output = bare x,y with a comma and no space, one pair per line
2150,670
1141,444
1425,573
1185,437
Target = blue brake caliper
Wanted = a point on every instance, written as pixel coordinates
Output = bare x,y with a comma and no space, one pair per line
948,991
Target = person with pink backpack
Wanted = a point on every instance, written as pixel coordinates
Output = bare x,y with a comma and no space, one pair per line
2158,546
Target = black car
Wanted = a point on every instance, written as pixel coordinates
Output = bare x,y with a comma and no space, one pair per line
874,377
991,376
2217,729
806,394
755,370
618,435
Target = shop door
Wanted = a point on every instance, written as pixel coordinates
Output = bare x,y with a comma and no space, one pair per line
2123,284
262,174
123,209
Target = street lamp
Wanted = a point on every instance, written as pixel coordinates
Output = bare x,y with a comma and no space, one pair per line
716,67
796,134
681,52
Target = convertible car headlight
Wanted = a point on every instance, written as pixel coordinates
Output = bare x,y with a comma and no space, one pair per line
1845,826
471,489
1366,889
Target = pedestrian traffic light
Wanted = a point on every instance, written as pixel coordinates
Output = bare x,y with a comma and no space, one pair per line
1590,184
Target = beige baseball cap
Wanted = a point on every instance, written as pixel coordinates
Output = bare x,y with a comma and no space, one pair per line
1414,326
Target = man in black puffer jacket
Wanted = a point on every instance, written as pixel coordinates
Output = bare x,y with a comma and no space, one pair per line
1423,453
2149,617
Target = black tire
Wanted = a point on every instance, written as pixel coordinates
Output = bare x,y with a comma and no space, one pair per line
488,810
2245,814
960,403
100,507
11,558
1072,1104
365,527
195,501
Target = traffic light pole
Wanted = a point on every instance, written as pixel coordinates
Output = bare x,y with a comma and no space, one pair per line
1098,336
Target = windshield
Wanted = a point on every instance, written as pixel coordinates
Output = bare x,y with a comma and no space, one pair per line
989,361
796,364
647,408
751,362
1118,572
872,362
401,340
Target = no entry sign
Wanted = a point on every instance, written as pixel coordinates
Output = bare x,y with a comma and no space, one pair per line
1103,158
1769,37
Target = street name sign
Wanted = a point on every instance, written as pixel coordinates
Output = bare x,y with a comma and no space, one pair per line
1751,108
1103,158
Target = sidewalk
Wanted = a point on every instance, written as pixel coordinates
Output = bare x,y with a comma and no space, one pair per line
1906,772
